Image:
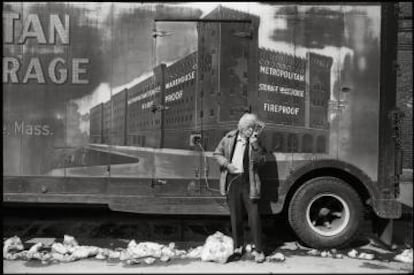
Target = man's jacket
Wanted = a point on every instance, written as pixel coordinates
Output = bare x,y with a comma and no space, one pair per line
223,154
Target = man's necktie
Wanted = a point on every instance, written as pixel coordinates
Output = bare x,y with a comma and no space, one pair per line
246,158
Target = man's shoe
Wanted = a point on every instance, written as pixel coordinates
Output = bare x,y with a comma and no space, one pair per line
236,256
259,257
238,250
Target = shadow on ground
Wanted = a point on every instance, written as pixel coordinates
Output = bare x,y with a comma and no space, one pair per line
100,225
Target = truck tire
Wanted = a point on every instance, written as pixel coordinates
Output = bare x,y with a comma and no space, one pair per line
326,212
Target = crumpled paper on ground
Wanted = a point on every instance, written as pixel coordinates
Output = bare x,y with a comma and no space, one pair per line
12,244
67,251
59,248
366,256
70,250
290,246
11,248
406,256
145,249
332,253
194,253
69,241
149,252
276,257
217,248
152,249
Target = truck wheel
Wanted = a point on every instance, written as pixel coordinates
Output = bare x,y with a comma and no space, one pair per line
326,212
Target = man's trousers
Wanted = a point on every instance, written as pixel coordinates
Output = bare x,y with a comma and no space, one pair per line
239,204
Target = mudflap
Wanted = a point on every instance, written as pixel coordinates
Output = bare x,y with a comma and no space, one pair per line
383,222
384,228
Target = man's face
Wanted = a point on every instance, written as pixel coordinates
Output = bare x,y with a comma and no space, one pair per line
247,132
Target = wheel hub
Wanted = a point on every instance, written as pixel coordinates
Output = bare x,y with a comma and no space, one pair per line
328,214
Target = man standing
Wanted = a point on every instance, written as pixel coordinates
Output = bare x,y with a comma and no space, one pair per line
239,155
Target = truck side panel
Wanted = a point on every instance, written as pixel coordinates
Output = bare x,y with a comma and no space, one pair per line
103,100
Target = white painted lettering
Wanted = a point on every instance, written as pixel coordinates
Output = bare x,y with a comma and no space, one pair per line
76,70
174,96
32,22
275,108
281,90
180,80
144,95
18,127
282,73
63,72
10,71
8,26
56,27
37,73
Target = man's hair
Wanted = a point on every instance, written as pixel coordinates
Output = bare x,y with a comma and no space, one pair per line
247,120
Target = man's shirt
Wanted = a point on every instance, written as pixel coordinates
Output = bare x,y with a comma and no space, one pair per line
238,154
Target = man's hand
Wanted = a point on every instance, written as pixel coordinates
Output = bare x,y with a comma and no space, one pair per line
232,169
253,140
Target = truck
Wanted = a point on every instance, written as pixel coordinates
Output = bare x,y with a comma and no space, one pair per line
123,104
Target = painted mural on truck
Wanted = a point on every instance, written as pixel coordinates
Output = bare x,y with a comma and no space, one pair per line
149,89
